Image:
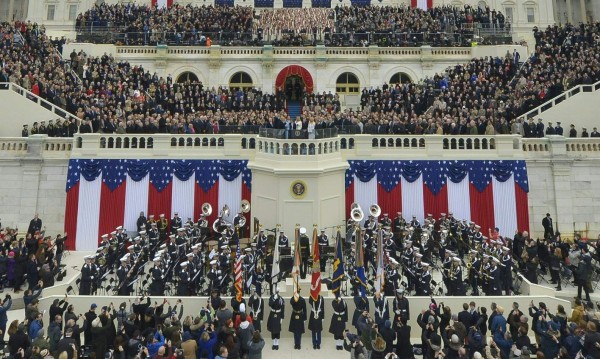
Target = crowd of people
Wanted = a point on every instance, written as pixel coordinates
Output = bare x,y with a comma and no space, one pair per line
154,328
309,23
484,96
341,26
132,24
34,260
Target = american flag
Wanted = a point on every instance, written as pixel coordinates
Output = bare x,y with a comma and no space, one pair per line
491,193
380,277
105,193
297,260
238,272
315,284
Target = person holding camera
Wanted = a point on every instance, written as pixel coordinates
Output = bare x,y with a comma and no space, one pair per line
354,345
207,341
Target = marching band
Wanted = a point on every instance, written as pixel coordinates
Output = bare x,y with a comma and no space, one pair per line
189,258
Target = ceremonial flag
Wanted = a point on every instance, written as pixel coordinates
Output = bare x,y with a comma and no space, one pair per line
238,267
489,193
421,4
162,3
297,259
379,277
360,264
315,284
103,194
338,265
275,267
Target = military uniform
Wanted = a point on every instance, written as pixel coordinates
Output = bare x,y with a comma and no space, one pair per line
304,252
401,307
323,240
338,321
87,276
175,223
276,316
315,321
495,280
297,318
424,286
257,309
283,242
184,281
163,225
382,312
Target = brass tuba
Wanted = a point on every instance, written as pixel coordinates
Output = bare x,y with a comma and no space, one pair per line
375,210
224,212
245,206
357,214
206,209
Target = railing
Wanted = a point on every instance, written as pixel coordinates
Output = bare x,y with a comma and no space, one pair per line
436,146
163,145
560,98
247,146
291,147
319,51
38,100
297,134
554,146
36,145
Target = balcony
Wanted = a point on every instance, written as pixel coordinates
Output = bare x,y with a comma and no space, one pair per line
347,147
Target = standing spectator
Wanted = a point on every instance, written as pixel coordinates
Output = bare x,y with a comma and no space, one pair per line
35,225
256,346
4,307
548,226
245,333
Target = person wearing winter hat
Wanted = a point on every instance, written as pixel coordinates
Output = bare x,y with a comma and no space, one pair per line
434,346
378,344
389,335
245,333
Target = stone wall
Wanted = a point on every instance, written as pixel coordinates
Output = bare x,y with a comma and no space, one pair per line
564,174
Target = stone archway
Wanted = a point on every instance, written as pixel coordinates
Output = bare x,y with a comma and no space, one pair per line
294,70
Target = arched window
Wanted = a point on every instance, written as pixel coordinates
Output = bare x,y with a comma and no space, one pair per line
347,83
400,78
240,80
187,77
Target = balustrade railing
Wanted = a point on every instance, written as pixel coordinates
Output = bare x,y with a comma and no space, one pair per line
291,147
65,115
247,146
37,145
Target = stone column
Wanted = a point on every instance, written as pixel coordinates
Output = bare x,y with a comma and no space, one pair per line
11,10
32,167
569,11
583,11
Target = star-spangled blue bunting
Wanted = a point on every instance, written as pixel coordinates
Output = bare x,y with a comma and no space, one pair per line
437,173
114,172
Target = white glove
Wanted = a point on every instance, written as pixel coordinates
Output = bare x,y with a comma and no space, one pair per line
92,277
